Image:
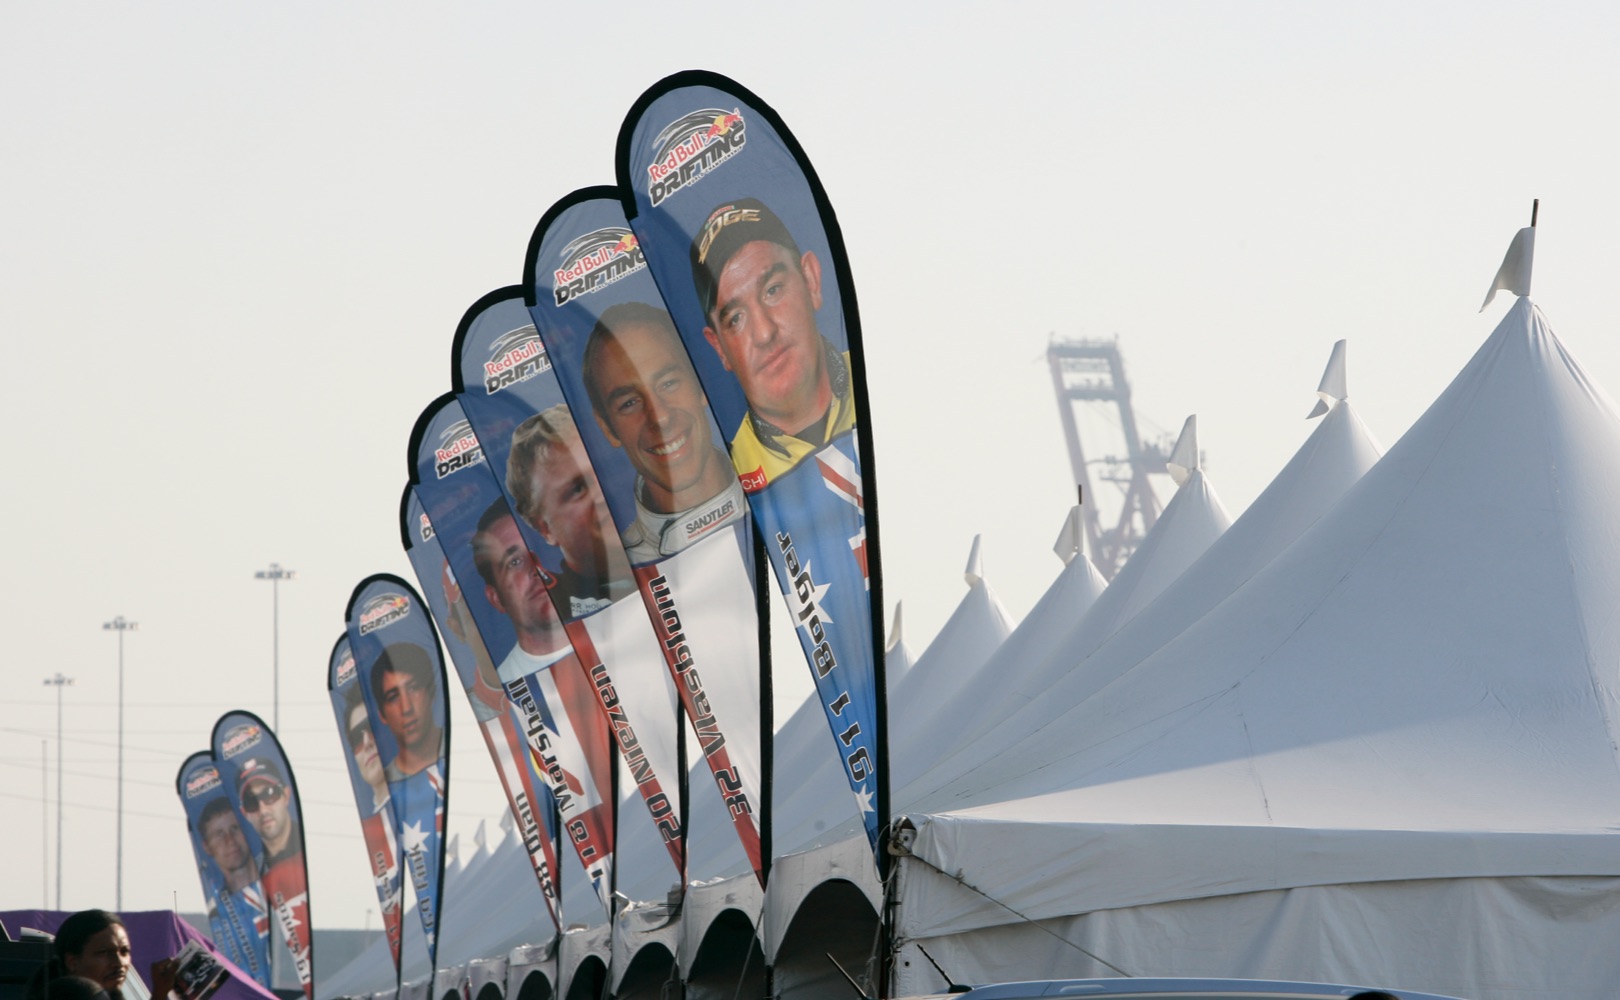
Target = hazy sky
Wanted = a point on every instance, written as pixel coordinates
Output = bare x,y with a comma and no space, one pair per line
235,241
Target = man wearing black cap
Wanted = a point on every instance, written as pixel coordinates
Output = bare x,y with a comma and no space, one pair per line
263,794
759,295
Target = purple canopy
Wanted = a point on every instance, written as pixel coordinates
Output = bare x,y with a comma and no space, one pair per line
153,935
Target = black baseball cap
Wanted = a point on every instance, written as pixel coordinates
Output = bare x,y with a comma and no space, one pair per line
729,227
258,769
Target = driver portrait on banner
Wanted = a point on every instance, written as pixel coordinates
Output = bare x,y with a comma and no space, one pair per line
648,403
514,587
405,685
262,791
235,902
556,492
759,295
225,843
376,821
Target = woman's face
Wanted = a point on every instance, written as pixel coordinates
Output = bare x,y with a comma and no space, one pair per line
105,958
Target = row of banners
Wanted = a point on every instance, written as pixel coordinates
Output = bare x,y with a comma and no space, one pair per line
673,396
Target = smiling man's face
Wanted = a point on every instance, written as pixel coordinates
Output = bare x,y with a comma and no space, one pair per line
653,407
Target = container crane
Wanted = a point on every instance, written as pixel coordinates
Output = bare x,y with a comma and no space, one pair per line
1087,371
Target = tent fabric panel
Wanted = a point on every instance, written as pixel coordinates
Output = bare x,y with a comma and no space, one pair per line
706,902
577,947
1487,939
642,929
794,877
1009,864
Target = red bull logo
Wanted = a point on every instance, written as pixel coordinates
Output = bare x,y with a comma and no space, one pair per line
459,450
240,739
463,444
595,260
515,356
691,146
344,674
722,125
202,781
383,611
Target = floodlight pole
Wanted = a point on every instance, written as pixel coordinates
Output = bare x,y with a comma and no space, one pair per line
44,825
119,625
275,574
59,682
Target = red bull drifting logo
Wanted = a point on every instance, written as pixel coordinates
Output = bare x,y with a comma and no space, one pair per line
594,261
458,448
203,781
345,669
691,146
515,356
241,739
383,611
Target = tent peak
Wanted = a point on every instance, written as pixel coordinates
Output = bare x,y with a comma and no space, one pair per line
895,634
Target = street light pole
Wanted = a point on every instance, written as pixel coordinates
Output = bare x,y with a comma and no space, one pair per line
44,825
275,574
119,625
59,682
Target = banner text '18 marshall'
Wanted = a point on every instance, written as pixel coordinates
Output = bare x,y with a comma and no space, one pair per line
528,795
370,787
401,678
507,637
676,504
229,868
254,771
742,241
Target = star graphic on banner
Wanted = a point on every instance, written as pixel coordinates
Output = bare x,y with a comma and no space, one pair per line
863,798
817,596
414,836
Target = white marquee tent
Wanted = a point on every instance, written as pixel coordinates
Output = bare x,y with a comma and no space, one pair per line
1389,755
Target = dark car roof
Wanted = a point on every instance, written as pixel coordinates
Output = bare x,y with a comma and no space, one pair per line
1179,989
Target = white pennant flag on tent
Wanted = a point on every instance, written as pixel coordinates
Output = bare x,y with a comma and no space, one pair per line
975,565
1071,540
1514,274
1184,456
895,635
1331,389
452,854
